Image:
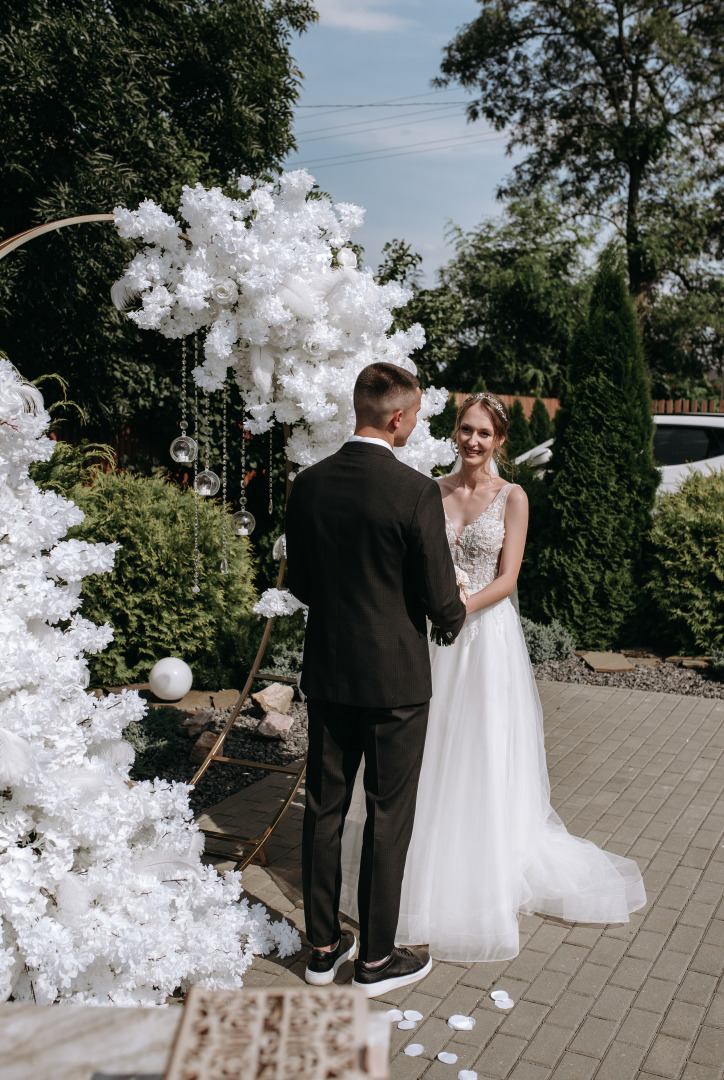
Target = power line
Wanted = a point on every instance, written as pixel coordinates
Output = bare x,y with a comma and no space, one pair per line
367,155
385,102
379,105
339,130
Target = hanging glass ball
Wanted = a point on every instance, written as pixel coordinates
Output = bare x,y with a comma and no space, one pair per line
184,449
207,482
224,567
244,523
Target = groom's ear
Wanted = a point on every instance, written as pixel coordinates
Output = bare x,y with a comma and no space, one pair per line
396,418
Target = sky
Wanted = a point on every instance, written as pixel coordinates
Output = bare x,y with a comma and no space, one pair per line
415,162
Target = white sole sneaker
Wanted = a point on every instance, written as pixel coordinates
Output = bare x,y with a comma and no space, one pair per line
324,978
385,986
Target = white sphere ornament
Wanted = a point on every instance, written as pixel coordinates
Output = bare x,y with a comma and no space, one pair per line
207,482
244,523
184,449
170,678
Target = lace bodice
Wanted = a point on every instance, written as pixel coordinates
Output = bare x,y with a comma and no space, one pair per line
476,549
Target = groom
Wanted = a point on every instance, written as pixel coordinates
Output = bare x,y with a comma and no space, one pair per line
367,552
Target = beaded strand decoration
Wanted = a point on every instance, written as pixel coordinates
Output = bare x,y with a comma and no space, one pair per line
196,588
225,526
244,523
183,448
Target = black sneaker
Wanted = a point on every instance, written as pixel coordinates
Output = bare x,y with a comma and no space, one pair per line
403,967
323,966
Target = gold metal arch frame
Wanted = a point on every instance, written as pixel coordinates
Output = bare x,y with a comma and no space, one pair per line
244,849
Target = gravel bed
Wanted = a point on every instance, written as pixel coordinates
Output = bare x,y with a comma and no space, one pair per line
220,781
662,678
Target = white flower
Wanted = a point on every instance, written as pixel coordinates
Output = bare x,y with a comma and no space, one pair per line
225,292
260,282
275,602
88,911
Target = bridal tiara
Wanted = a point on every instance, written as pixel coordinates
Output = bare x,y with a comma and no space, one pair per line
493,401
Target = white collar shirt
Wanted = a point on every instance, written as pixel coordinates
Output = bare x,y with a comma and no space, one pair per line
370,439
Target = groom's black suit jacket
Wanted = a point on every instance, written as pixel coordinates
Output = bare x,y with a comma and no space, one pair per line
367,551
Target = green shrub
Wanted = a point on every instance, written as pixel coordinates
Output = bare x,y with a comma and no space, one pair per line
541,425
148,598
686,575
156,741
551,642
519,438
71,465
716,667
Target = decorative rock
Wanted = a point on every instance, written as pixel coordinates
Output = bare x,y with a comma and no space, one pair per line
201,747
198,721
508,1003
414,1049
500,995
275,698
446,1058
413,1014
274,725
393,1015
677,660
695,662
407,1025
225,699
607,662
467,1074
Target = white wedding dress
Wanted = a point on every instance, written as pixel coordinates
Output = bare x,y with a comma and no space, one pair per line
486,843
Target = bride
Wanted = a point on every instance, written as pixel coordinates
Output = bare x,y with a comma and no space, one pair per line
486,843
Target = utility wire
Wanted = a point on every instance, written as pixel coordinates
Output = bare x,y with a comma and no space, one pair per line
368,126
375,104
371,155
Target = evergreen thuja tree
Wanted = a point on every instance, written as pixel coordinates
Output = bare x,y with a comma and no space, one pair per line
541,425
519,438
603,474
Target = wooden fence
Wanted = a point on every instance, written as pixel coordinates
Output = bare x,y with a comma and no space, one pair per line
681,405
551,403
660,406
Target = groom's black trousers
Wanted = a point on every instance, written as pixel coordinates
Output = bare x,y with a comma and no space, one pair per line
392,742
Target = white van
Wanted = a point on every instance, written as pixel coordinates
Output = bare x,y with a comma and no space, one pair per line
683,443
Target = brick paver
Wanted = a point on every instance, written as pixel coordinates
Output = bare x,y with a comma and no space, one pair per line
641,774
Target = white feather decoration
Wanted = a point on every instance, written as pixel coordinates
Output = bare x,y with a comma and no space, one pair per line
15,758
115,752
72,896
280,547
262,367
123,294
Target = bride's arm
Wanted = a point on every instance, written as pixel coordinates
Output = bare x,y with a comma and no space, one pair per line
516,527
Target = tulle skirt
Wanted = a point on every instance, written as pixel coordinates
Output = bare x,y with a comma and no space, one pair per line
486,843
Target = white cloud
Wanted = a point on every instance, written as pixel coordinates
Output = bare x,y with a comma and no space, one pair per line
365,15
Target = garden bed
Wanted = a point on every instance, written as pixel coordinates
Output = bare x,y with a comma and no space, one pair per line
660,678
169,754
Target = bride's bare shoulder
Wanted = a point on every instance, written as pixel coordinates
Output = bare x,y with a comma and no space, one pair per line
445,483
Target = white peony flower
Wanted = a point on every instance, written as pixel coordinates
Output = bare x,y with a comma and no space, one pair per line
103,897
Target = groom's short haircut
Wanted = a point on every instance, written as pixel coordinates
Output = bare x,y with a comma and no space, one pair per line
381,389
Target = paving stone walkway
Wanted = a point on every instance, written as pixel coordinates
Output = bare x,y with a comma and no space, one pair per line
641,774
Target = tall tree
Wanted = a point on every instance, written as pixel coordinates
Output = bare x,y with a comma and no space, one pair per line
439,310
522,283
603,474
619,102
105,102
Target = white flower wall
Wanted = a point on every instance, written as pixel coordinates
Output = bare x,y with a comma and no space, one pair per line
103,897
257,276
